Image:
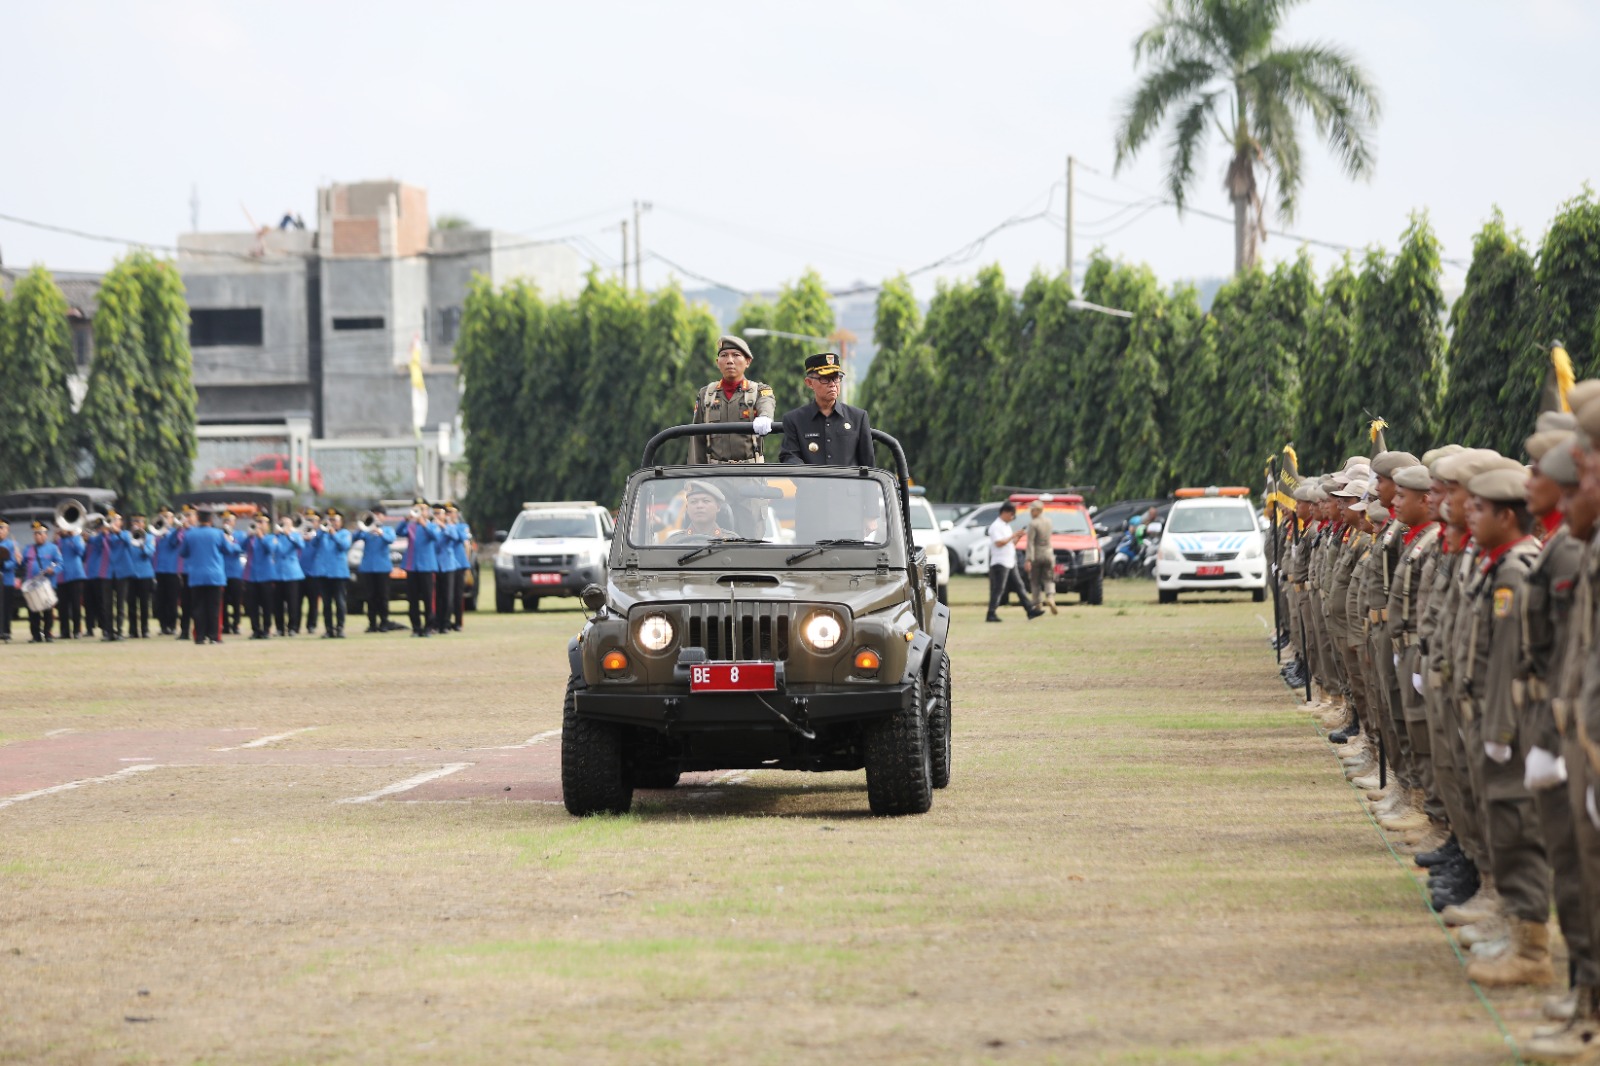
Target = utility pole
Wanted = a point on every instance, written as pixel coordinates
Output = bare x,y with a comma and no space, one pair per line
624,253
1070,162
638,255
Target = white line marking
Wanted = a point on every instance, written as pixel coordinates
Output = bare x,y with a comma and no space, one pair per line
59,732
53,789
136,758
409,783
530,742
261,742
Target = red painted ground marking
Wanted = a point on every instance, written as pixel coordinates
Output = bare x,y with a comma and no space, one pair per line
526,772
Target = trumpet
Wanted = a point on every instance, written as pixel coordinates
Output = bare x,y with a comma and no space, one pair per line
307,527
160,526
366,521
416,513
94,522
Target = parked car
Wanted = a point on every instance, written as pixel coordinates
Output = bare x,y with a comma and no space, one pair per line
552,549
270,469
967,531
1077,552
925,534
1211,541
949,514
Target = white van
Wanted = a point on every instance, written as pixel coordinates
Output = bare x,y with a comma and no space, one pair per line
1211,541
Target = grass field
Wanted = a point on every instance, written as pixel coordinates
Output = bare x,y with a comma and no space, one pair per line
1146,855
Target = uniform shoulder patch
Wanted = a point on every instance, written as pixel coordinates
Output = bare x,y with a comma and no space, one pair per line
1503,599
763,391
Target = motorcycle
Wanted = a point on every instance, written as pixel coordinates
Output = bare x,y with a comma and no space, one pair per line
1135,554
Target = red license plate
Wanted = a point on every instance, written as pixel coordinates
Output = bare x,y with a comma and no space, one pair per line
733,677
544,579
1208,571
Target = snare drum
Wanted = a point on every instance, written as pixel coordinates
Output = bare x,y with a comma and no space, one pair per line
40,593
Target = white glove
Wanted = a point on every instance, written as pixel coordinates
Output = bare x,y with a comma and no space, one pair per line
1588,805
1397,659
762,425
1416,683
1500,753
1543,770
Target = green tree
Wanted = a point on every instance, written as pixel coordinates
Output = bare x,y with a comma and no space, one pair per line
897,387
971,333
1218,67
36,444
1187,413
490,354
1330,413
1402,338
166,394
802,308
109,420
1038,431
1569,283
1496,367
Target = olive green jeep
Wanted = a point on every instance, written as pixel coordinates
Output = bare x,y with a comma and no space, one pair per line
760,617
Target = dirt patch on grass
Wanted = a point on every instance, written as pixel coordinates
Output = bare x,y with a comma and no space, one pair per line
1145,856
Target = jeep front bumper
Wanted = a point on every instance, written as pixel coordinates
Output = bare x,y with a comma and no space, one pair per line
675,708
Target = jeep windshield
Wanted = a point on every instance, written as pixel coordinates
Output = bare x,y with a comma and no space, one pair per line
762,511
533,526
1212,518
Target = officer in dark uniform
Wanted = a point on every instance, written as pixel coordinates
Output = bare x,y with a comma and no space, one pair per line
826,432
735,398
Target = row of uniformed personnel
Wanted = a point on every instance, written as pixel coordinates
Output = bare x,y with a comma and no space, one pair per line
1446,607
114,579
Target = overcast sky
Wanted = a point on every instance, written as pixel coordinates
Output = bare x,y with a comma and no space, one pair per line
859,138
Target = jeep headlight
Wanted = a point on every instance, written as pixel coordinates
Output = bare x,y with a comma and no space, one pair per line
655,632
822,630
1169,553
1091,557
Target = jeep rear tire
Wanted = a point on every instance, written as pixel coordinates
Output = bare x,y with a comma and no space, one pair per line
899,762
593,777
939,724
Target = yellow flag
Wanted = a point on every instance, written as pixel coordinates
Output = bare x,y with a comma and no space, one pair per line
419,388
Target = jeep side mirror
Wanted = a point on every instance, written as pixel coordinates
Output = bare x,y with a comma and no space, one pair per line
593,597
931,573
1100,529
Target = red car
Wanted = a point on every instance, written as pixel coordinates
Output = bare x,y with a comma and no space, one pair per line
263,470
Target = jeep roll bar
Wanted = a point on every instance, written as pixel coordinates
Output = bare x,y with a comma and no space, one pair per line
902,469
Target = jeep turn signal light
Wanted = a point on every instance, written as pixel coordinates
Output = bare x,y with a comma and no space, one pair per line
866,660
614,661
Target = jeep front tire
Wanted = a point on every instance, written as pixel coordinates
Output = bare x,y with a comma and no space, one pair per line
593,777
899,762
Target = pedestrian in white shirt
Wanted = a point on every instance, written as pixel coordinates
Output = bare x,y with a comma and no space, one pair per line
1003,541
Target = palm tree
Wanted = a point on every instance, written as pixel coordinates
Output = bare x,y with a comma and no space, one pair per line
1216,65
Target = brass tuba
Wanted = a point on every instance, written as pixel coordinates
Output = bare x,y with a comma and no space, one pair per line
70,515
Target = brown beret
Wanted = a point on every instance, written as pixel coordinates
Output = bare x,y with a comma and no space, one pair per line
731,343
1465,465
1502,485
1384,464
1414,477
1581,393
1554,420
1559,463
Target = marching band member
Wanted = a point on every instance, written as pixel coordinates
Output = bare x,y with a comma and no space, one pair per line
70,585
41,559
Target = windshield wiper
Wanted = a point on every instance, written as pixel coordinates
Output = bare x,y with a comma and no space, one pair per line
823,545
721,542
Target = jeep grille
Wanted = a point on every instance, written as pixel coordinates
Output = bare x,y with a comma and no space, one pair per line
762,630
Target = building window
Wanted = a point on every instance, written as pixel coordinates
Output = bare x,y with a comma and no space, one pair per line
449,325
219,326
372,322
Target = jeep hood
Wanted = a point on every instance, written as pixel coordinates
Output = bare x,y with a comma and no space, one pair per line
861,591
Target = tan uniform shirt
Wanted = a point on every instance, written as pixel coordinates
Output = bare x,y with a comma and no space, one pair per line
1039,548
1547,601
711,405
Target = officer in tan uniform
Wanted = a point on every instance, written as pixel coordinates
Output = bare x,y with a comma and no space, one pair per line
1489,650
1407,601
1041,557
1546,614
732,398
701,503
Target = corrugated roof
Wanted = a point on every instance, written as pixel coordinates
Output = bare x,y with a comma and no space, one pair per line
82,290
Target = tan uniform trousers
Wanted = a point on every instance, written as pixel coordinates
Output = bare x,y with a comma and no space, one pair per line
1580,778
1559,831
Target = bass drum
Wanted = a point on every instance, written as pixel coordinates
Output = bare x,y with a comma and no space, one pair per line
39,593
